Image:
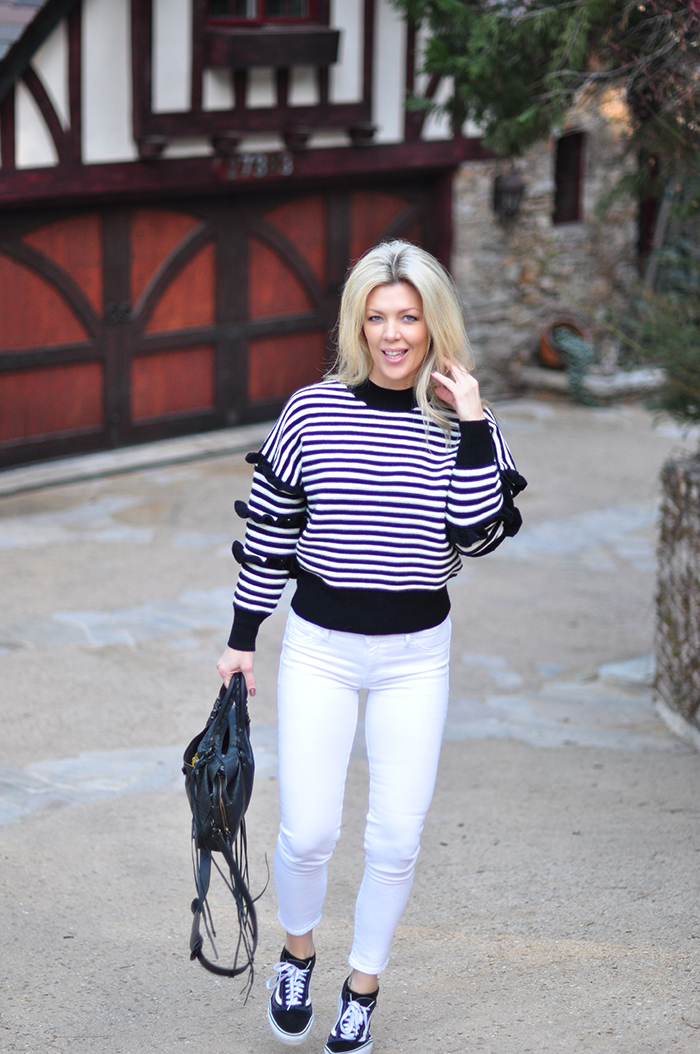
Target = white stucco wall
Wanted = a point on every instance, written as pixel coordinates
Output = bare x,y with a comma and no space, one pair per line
189,146
303,86
261,141
325,138
34,147
217,90
437,125
172,55
389,68
50,63
107,118
345,82
261,91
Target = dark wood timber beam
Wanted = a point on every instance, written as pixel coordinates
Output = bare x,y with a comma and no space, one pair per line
187,176
20,54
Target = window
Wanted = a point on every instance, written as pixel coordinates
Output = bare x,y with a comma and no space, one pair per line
257,11
568,173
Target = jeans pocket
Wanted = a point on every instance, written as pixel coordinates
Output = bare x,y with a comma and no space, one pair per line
298,628
433,638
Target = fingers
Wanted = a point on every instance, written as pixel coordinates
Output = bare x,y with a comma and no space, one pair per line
247,671
233,661
445,394
461,390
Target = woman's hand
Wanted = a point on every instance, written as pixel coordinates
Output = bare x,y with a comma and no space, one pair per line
233,661
461,391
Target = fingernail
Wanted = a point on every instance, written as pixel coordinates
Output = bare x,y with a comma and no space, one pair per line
252,691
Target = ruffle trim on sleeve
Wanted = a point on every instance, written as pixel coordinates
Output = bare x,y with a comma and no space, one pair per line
263,465
274,563
297,519
514,480
483,538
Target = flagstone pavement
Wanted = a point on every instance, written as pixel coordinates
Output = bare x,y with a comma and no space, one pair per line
555,906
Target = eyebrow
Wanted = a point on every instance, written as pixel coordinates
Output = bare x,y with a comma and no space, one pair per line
402,311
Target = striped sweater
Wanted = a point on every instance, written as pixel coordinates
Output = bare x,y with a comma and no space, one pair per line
370,509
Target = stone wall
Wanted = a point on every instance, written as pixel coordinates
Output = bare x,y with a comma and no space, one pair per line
514,276
678,599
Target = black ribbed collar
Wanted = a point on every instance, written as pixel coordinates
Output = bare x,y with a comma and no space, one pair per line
398,400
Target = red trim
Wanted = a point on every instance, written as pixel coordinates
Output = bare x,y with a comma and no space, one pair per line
240,87
47,17
211,122
141,44
198,24
322,77
367,74
7,133
410,125
318,13
60,137
142,179
75,81
282,88
270,45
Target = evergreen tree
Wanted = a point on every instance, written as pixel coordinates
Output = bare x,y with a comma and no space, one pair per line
517,66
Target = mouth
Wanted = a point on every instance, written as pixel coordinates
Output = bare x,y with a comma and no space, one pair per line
394,354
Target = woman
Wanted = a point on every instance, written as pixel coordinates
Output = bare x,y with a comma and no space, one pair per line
368,489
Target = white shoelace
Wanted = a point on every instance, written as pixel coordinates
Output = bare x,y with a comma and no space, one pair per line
353,1020
295,978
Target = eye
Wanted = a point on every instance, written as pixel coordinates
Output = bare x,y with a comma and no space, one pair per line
410,318
374,318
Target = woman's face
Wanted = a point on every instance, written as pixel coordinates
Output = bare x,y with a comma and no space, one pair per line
396,334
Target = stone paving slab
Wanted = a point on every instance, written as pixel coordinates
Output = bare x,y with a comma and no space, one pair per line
555,902
128,459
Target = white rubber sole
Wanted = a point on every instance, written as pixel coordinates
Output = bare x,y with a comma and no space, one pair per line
365,1049
289,1040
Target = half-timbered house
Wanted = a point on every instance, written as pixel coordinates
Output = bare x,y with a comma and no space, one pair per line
183,184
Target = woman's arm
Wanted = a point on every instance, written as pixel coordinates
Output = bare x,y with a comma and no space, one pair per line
480,511
276,515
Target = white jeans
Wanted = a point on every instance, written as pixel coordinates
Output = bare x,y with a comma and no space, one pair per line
321,673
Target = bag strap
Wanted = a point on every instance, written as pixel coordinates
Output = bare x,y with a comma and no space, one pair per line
244,905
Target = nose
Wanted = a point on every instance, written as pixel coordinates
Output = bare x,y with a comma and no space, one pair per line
392,331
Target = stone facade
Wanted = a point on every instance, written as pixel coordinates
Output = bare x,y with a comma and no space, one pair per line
516,275
678,599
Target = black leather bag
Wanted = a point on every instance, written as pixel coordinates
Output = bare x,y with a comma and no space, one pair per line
219,768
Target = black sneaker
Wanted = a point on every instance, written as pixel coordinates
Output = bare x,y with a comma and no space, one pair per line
289,1011
351,1031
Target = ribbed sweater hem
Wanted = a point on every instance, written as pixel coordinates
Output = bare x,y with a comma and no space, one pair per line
372,612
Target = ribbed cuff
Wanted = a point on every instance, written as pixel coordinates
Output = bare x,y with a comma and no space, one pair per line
475,446
244,630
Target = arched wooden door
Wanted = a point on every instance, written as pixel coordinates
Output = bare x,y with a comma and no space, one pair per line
134,323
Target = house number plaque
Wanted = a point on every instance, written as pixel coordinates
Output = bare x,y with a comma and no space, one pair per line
239,167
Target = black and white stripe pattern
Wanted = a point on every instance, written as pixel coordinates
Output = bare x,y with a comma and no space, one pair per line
367,498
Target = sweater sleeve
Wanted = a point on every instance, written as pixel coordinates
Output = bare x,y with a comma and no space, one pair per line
276,514
480,510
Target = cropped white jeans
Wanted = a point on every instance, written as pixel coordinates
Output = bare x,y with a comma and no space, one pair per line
321,673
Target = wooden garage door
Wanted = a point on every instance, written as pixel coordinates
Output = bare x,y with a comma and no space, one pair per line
128,324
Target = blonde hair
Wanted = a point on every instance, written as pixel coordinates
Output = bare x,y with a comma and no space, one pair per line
387,264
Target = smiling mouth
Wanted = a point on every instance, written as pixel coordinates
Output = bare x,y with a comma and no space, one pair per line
394,356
